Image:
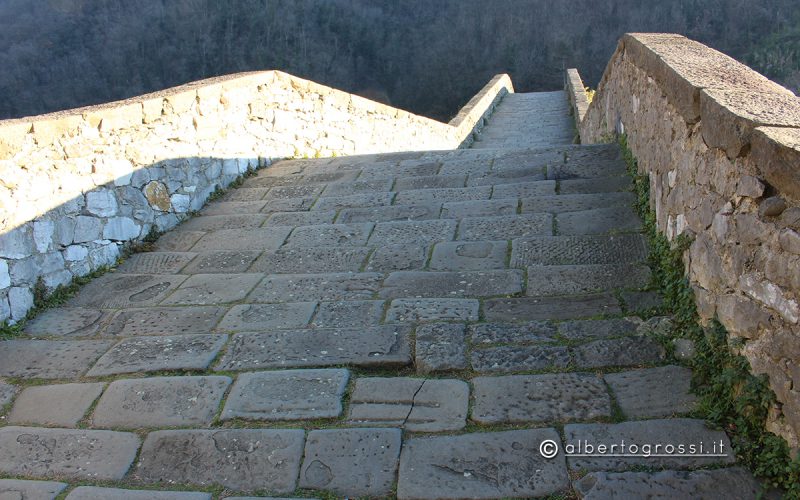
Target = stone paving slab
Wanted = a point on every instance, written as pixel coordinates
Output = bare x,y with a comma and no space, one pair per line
595,185
653,392
429,182
585,278
398,258
50,359
232,240
732,482
564,250
233,207
288,205
375,346
116,291
555,308
266,317
152,354
486,283
413,168
76,322
412,232
422,310
287,395
641,301
327,235
556,397
674,431
481,465
265,498
238,459
305,287
348,314
295,191
626,351
164,321
599,221
354,201
160,402
177,241
585,330
17,489
301,218
524,190
417,405
311,260
359,187
423,196
95,493
469,255
576,202
244,193
390,213
351,462
156,262
221,262
66,453
480,208
466,166
210,223
512,333
507,227
7,392
62,405
440,347
586,169
212,289
508,176
515,358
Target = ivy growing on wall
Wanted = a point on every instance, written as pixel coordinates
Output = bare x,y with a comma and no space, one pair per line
731,397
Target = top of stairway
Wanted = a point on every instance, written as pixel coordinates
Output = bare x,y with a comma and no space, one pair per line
528,120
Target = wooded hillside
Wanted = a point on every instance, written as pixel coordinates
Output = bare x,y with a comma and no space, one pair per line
426,56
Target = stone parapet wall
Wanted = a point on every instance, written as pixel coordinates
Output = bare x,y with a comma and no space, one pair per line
721,146
76,185
576,92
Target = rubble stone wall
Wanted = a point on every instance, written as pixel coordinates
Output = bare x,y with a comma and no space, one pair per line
721,146
76,185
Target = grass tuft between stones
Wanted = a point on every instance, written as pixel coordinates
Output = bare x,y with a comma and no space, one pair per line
730,396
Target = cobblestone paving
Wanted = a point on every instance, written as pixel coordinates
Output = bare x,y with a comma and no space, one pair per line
419,325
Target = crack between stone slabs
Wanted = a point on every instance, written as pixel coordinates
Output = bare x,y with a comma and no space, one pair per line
413,402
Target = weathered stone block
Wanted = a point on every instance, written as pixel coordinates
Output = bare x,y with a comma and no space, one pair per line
352,462
160,402
34,490
375,346
557,397
287,395
238,459
481,465
418,405
152,354
74,454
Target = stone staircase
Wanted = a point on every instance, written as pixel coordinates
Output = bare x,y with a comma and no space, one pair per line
412,325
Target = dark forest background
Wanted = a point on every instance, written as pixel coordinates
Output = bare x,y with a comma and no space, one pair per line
426,56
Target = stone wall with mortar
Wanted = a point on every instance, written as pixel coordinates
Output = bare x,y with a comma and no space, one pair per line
576,93
76,185
721,146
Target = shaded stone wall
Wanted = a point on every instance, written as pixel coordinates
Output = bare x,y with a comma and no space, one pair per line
76,185
721,146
